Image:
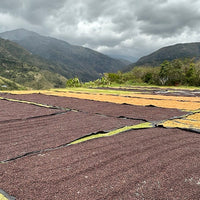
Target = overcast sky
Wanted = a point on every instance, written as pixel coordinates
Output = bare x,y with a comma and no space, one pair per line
128,27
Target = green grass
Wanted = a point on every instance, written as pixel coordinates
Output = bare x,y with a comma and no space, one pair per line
94,90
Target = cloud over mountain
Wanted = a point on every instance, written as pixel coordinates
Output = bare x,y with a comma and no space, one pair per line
129,27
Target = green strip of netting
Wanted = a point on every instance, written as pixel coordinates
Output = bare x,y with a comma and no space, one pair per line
114,132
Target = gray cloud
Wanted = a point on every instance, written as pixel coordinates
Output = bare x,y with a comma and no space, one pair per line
129,27
168,18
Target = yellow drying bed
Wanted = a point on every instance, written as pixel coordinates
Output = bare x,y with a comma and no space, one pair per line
182,103
5,196
2,197
191,104
191,122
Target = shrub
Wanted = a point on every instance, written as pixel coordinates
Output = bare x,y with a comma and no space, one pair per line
74,82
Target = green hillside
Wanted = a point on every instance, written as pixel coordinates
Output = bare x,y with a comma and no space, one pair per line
69,60
6,84
177,51
179,72
20,66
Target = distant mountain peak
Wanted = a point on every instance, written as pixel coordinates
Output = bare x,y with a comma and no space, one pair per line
20,29
70,60
18,34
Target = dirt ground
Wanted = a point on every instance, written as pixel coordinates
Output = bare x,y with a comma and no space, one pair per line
39,161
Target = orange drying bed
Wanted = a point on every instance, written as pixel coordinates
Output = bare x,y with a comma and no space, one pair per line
183,103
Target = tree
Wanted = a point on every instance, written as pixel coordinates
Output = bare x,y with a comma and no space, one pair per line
171,73
114,77
190,75
148,77
73,82
164,72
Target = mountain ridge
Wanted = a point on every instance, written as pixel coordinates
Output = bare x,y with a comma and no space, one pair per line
71,60
172,52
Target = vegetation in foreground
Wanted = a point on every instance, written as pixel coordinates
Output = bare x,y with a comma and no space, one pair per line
175,73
